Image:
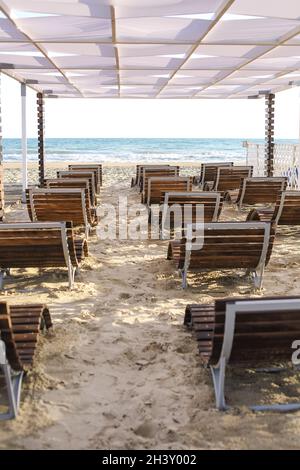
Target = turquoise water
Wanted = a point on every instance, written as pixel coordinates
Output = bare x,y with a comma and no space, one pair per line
130,150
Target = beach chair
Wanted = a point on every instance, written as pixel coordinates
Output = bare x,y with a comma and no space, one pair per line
209,172
229,178
95,167
224,245
19,329
210,201
248,333
170,172
80,183
163,171
1,193
135,181
41,245
156,167
261,190
90,175
60,205
286,211
158,186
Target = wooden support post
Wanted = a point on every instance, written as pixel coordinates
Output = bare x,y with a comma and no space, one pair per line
269,134
1,165
41,137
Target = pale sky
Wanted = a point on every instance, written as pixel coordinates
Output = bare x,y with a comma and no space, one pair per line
150,118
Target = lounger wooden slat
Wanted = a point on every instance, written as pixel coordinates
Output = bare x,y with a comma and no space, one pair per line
286,211
188,203
18,347
80,174
169,171
209,172
224,245
41,245
261,190
229,178
60,205
240,332
159,185
95,167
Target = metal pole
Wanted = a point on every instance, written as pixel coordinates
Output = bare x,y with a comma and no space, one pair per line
24,142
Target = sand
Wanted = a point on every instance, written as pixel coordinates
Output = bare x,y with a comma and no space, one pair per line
120,371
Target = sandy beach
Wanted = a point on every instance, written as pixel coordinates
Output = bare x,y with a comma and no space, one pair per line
119,370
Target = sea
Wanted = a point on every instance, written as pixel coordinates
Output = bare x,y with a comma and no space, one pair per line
132,150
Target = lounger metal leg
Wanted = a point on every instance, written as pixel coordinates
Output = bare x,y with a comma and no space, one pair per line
184,278
71,276
218,375
13,382
258,278
284,408
1,279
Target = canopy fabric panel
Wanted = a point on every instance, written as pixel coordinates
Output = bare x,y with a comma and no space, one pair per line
161,49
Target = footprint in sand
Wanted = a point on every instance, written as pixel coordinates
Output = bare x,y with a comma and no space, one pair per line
146,429
124,296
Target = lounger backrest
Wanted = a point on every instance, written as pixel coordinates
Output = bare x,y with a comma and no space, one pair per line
80,175
58,205
209,171
228,245
211,202
158,186
6,335
287,208
260,330
96,168
48,244
19,329
140,171
228,179
80,183
263,190
1,193
157,171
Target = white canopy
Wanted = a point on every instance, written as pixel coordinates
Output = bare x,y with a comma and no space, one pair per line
151,48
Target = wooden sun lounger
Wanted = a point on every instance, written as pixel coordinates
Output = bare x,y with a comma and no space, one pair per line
19,329
158,186
90,175
286,211
245,333
41,245
81,183
60,205
229,178
211,203
147,173
96,168
209,172
261,190
226,245
139,172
